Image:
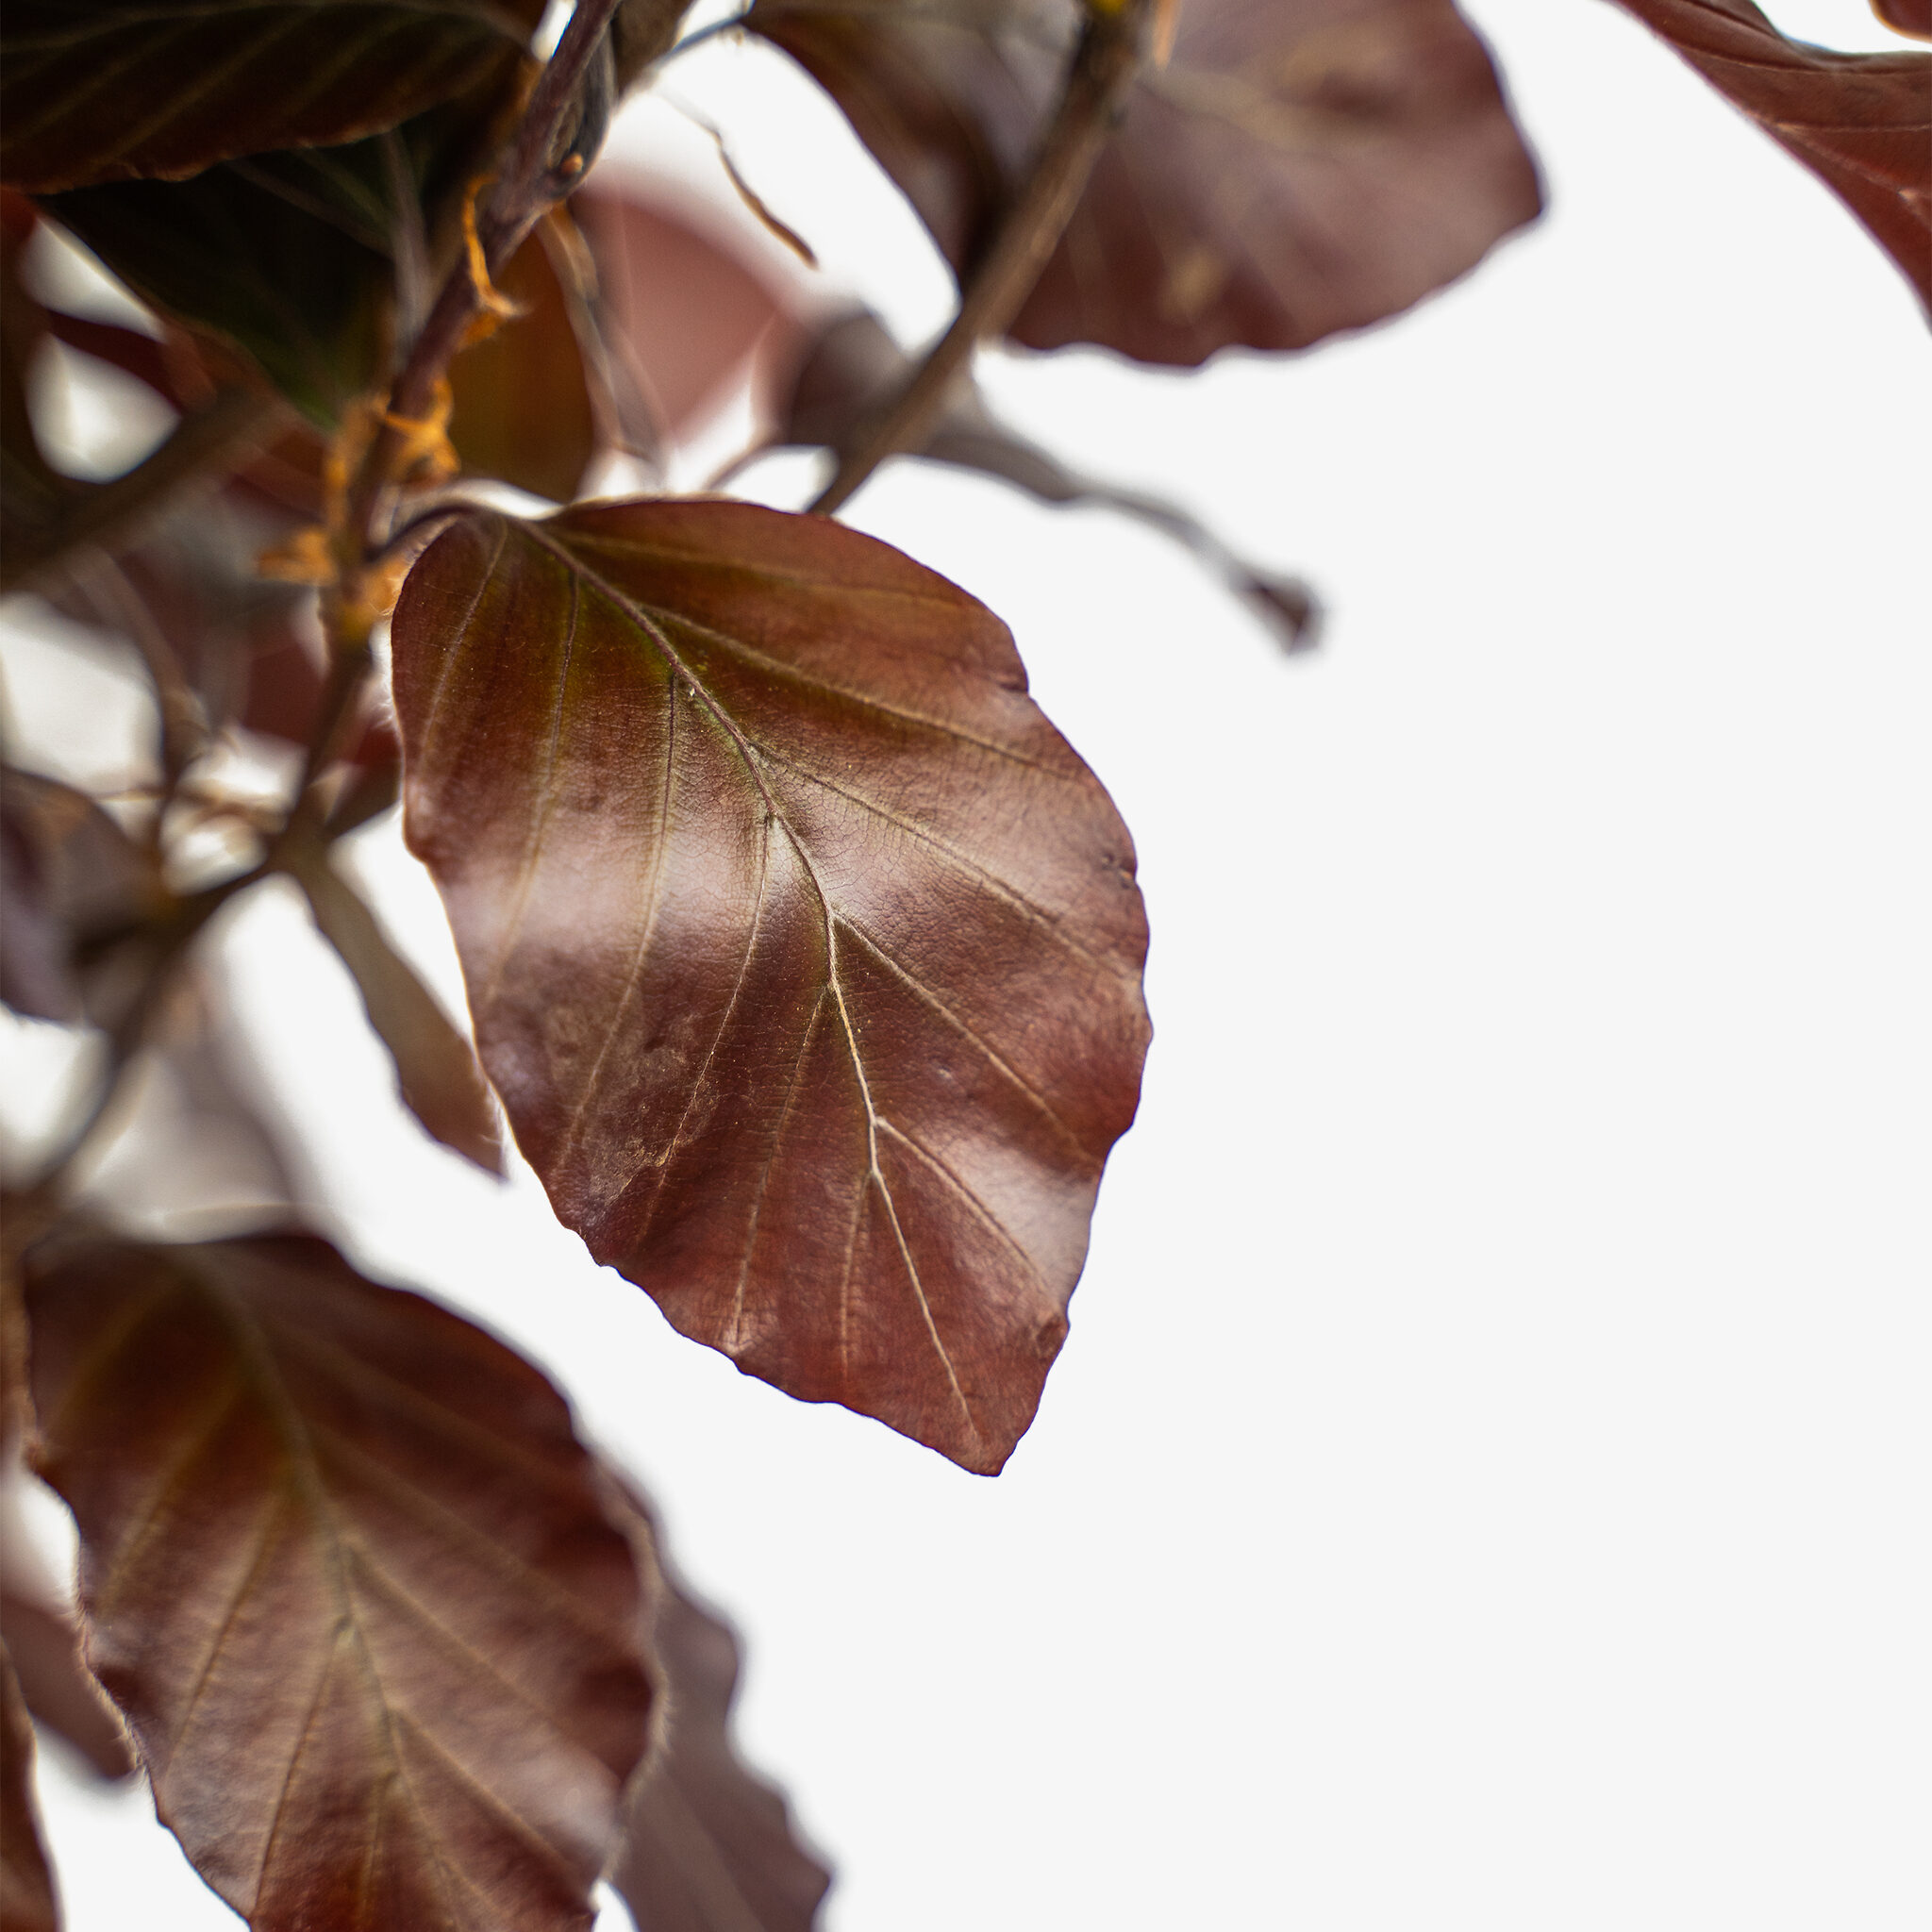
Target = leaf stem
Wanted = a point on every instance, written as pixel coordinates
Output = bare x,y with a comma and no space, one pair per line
1103,66
525,186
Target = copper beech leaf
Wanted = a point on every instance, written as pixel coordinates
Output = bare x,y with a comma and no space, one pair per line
688,355
1292,171
26,1886
436,1068
709,1844
352,1579
1861,122
111,89
74,888
804,953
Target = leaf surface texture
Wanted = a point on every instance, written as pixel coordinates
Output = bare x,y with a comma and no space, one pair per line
804,952
349,1574
1291,170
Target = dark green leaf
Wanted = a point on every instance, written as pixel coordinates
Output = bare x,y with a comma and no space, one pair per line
302,295
295,257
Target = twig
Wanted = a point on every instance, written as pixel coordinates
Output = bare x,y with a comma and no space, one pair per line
184,730
529,181
697,37
1103,66
204,438
126,1037
525,186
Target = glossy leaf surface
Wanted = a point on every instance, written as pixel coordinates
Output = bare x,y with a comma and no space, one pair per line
709,1844
350,1576
26,1886
110,90
804,953
1293,170
1861,122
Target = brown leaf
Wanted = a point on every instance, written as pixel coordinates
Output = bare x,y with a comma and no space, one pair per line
71,885
436,1068
1293,170
709,1844
854,364
182,587
58,1687
686,354
1912,17
26,1886
193,1144
350,1576
185,595
111,89
291,263
282,698
1861,122
523,411
803,950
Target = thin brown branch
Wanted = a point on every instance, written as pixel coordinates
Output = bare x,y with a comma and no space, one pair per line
212,438
525,186
527,183
1104,65
182,925
532,178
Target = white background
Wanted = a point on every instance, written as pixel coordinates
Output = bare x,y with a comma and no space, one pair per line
1487,1482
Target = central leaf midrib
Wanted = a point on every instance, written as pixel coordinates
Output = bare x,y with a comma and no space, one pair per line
641,618
305,1470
